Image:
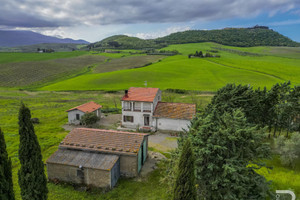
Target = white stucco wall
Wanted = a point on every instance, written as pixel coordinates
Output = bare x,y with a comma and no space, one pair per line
170,124
72,116
138,116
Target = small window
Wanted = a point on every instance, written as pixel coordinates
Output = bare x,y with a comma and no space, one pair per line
128,119
159,99
77,117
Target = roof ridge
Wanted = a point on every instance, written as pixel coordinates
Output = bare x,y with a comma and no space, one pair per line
112,131
177,103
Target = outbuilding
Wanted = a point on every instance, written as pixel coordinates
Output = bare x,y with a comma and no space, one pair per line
75,114
98,157
173,116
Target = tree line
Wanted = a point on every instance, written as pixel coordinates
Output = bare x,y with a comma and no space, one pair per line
229,143
31,176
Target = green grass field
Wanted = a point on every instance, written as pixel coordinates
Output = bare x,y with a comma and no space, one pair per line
205,74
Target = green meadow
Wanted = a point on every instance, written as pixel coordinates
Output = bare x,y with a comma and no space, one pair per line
204,74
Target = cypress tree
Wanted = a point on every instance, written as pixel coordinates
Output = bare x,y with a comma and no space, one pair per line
6,184
32,179
185,181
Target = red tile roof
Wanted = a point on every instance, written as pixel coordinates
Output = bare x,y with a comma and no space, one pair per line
140,94
175,110
87,107
105,141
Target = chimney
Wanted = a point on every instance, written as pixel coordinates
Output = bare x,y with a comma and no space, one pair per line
126,93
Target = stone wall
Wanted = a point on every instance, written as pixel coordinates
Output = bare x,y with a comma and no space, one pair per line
65,173
128,165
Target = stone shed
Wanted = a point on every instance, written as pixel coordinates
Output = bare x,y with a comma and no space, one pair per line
98,157
99,170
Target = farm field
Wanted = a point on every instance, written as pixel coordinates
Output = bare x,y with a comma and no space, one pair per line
128,62
204,74
28,73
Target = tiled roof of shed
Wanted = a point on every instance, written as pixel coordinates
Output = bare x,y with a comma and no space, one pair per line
106,141
140,94
87,107
175,110
83,158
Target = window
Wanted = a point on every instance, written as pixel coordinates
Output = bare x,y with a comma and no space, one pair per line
159,99
77,117
137,106
147,107
127,105
128,118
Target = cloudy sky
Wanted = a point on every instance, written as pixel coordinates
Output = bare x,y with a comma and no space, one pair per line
94,20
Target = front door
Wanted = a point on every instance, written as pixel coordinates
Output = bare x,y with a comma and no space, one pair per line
146,120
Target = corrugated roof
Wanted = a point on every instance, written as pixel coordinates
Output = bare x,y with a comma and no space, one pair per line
140,94
106,141
87,107
85,159
175,110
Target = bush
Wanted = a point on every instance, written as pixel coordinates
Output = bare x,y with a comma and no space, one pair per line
89,118
289,149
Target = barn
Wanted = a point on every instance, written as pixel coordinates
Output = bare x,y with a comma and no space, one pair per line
98,157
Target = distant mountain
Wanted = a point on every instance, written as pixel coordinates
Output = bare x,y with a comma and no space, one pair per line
11,38
240,37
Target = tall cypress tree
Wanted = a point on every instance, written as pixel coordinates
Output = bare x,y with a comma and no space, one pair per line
185,181
32,179
6,184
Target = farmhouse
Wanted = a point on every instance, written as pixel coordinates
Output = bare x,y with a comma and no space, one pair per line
75,114
98,157
142,109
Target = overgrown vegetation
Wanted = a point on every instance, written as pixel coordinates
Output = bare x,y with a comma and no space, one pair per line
89,118
289,149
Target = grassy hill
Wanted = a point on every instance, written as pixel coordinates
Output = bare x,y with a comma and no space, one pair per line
240,37
254,67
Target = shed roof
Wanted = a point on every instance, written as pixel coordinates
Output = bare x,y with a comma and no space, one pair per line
105,141
175,110
84,159
140,94
87,107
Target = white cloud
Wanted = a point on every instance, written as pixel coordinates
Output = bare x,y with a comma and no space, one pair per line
159,33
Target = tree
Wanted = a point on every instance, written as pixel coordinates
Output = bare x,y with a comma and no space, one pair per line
32,179
89,118
228,150
6,184
185,187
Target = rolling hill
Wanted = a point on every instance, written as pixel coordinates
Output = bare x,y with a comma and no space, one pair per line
239,37
12,38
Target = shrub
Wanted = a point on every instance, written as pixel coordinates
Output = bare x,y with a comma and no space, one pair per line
289,149
89,118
